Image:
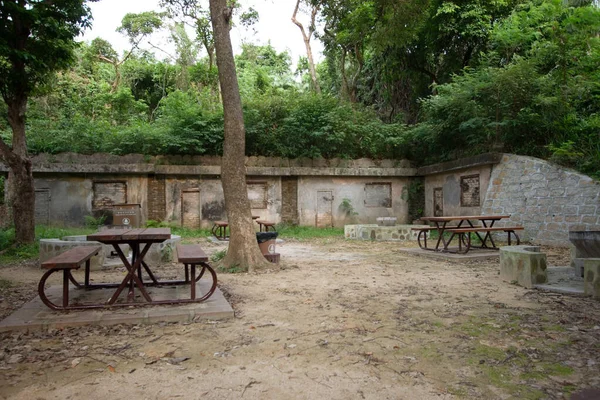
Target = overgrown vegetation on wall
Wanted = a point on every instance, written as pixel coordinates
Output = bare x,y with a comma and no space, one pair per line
458,78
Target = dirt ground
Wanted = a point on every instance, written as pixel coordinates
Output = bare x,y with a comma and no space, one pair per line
339,320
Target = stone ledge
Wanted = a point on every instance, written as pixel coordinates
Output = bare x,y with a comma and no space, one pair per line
145,169
463,163
396,233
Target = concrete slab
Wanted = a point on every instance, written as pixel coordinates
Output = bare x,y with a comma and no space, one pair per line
34,315
562,280
472,255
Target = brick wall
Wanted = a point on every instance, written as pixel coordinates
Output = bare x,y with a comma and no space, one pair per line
289,194
108,193
546,199
156,198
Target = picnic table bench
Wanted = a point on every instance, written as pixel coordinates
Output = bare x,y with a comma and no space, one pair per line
65,262
192,255
219,230
265,226
463,230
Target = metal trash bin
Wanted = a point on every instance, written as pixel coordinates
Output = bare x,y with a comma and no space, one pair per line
129,215
266,242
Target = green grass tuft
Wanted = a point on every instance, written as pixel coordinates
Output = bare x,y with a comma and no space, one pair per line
307,232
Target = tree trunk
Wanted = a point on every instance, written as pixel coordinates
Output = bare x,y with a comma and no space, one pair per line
243,249
21,192
307,37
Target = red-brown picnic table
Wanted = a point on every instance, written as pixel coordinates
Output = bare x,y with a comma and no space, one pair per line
463,221
140,241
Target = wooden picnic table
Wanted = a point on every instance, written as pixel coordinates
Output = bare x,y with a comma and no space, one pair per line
463,228
139,241
136,238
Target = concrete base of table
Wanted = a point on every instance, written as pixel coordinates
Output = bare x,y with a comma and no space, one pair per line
472,255
34,315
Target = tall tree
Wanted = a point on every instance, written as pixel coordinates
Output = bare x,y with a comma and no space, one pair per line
191,10
186,51
136,27
347,31
243,248
306,36
36,39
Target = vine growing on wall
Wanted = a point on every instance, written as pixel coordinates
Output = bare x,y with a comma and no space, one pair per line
348,209
414,194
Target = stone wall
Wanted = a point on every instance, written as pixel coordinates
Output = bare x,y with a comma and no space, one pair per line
548,200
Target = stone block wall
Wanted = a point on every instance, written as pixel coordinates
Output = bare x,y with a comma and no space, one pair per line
548,200
383,233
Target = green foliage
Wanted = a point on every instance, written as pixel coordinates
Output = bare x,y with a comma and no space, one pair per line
414,194
12,253
233,269
535,92
136,26
2,189
92,222
347,208
218,255
504,75
36,39
307,232
309,125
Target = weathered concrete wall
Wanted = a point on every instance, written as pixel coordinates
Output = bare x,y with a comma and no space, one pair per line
450,184
212,201
546,199
69,197
352,188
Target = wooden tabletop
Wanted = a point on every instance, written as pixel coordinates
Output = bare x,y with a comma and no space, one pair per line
131,235
465,217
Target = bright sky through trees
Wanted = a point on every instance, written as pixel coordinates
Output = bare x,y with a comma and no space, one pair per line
274,25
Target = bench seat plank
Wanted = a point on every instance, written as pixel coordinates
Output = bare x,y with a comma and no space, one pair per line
435,228
191,254
481,229
71,259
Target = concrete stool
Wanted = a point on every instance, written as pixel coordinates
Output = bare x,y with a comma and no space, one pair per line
524,265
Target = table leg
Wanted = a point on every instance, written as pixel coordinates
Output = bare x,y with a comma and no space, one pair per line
193,282
488,235
441,235
87,274
66,273
149,272
446,244
131,274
